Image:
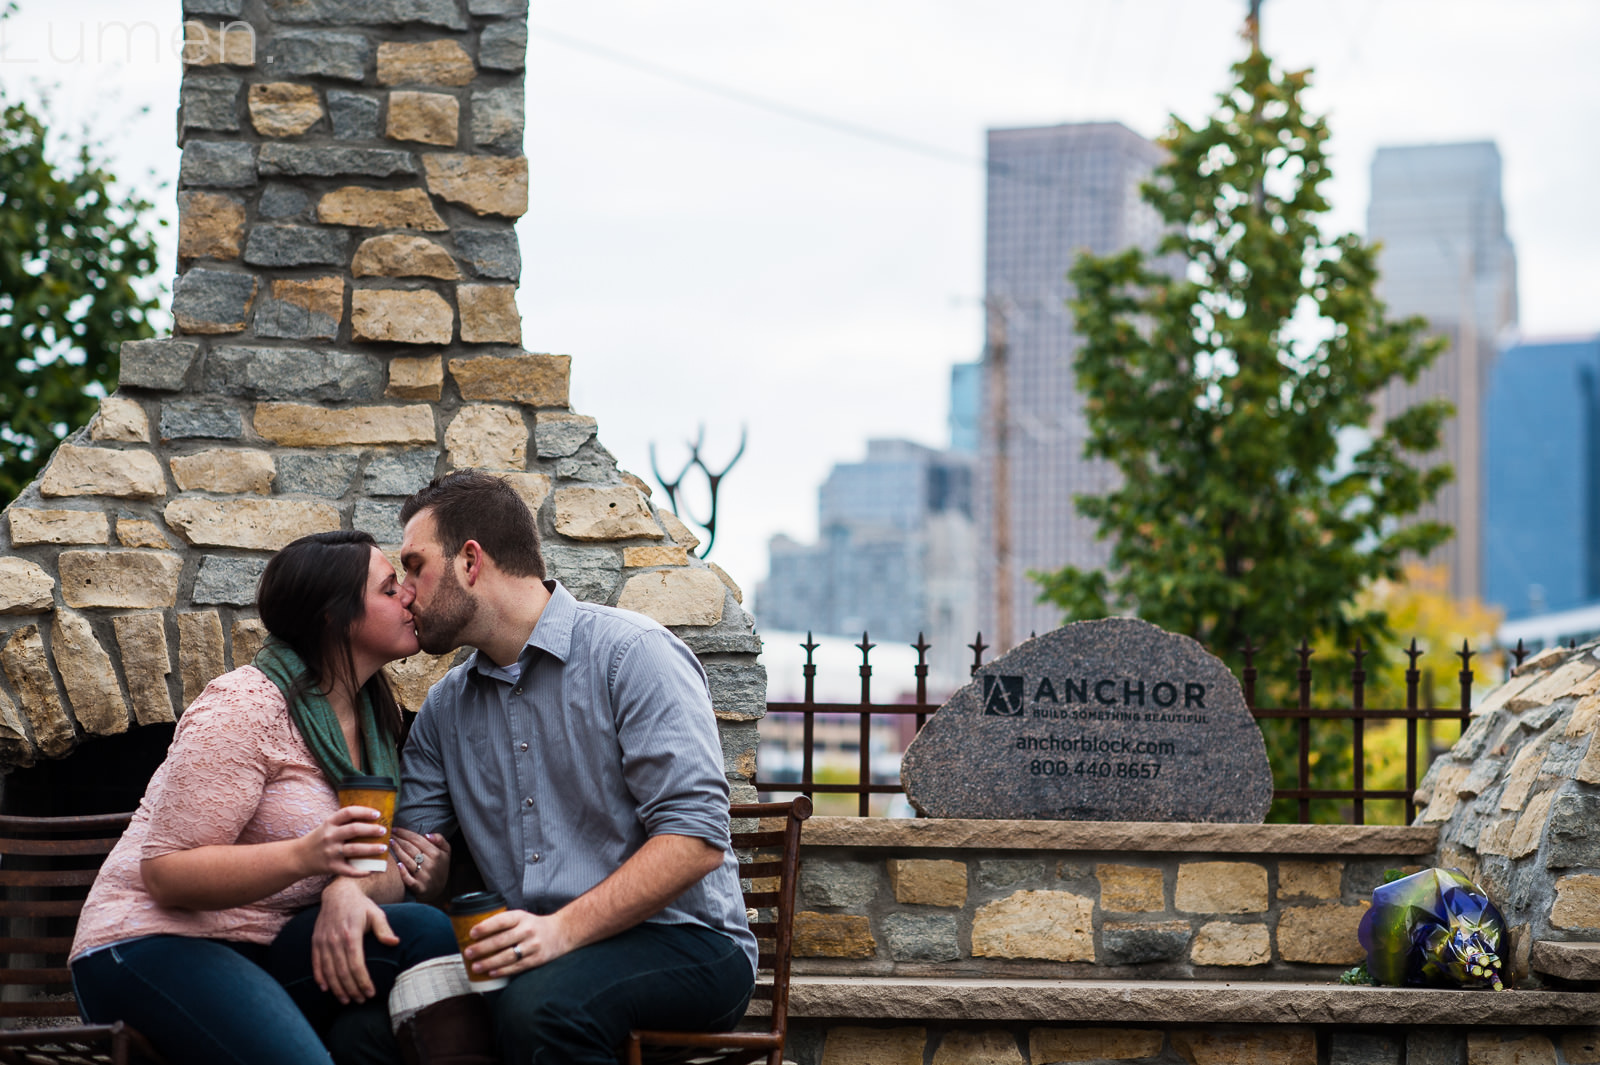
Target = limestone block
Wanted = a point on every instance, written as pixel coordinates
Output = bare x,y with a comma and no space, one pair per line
1524,774
1496,836
400,473
498,118
921,936
319,53
381,518
1588,770
86,674
302,309
1054,925
1312,880
208,104
231,43
283,108
928,882
223,580
1490,1048
217,164
24,587
131,579
560,433
99,471
282,201
293,373
504,46
1009,872
412,677
416,378
488,437
1363,1048
827,883
490,253
146,662
293,245
1577,905
200,419
28,667
403,255
1225,943
57,527
589,573
1530,826
424,63
532,487
250,524
489,314
354,115
379,209
678,530
248,636
1446,794
15,747
1093,1044
497,7
1131,888
670,596
120,420
727,582
443,13
158,364
1584,715
612,512
654,555
224,470
484,184
1138,942
962,1047
1500,696
137,532
1571,839
536,380
1260,1046
320,160
874,1046
1435,1046
210,225
199,652
833,935
424,117
1321,935
303,425
212,302
399,316
1221,887
1581,1046
1558,684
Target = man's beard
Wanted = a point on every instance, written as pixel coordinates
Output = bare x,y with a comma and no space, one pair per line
452,610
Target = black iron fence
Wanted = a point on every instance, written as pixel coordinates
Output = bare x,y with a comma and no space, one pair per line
1418,708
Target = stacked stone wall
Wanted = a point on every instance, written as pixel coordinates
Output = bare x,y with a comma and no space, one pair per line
346,329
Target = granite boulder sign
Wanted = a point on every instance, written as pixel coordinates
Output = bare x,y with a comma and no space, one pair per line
1111,720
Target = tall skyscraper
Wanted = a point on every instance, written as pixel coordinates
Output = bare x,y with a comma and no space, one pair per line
1437,211
1542,478
1054,191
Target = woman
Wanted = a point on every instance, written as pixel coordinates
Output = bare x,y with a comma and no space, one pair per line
191,931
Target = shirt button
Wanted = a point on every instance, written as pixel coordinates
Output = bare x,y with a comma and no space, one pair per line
517,690
528,803
522,746
536,857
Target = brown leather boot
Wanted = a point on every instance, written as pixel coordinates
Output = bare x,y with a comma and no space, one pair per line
438,1019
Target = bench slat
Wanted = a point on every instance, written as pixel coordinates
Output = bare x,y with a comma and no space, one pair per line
40,907
35,944
47,877
57,847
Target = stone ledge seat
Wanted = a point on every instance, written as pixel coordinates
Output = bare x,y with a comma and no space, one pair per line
1178,1002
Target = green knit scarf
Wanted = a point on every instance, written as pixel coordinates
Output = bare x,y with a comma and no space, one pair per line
319,725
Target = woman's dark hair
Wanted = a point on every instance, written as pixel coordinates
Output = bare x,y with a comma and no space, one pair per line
310,596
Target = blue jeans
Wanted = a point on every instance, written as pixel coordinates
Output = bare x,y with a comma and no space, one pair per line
213,1002
578,1009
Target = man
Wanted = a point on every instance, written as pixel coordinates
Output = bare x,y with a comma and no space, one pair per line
578,753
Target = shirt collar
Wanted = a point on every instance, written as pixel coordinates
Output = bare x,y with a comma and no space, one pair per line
552,633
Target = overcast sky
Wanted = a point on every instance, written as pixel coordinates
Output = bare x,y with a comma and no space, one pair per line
706,261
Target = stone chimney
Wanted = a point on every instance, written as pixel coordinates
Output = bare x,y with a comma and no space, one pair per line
346,329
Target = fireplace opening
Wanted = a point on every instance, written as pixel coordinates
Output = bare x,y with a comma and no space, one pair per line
103,775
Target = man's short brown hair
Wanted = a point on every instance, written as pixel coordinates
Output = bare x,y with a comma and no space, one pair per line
473,505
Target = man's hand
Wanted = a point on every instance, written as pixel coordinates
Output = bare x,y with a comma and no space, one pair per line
338,958
424,863
541,940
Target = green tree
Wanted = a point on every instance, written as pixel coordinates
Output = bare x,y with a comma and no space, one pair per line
1222,388
72,248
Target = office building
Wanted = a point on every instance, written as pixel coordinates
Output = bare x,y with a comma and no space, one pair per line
1052,192
1438,213
966,404
894,557
1542,478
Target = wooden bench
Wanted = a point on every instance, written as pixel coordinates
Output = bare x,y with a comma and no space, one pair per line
46,867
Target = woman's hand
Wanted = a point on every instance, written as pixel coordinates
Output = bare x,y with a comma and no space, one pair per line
351,832
424,863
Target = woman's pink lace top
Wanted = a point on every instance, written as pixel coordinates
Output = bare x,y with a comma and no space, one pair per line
237,772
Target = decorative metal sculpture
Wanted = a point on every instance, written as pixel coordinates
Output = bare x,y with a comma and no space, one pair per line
1435,928
713,481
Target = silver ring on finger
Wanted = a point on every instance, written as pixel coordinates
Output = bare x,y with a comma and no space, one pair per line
419,861
516,951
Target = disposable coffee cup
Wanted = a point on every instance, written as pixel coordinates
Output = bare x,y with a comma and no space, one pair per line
466,911
378,793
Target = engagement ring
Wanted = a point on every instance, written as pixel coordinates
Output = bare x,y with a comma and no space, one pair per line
516,949
419,859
